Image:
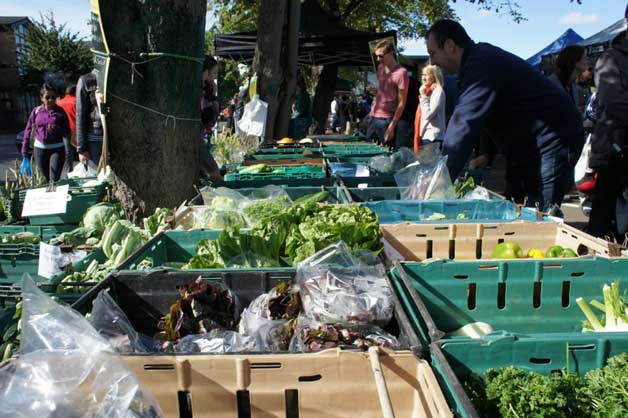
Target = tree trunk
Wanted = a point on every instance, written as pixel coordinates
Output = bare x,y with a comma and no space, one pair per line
269,62
290,70
154,128
324,95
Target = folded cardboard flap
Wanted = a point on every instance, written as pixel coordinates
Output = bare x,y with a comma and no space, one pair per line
333,382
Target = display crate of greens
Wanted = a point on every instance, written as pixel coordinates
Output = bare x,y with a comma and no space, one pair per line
374,194
11,234
505,300
189,217
287,150
244,382
278,173
338,138
533,373
346,150
12,271
80,198
288,162
278,157
480,241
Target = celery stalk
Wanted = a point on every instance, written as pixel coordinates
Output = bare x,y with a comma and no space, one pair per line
586,310
597,304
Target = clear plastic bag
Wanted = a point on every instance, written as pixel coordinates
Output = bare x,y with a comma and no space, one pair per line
112,323
479,193
337,287
311,335
392,163
428,179
66,369
267,201
256,321
216,341
223,198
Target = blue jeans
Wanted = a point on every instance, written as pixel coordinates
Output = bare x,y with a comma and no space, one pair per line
403,134
377,129
95,151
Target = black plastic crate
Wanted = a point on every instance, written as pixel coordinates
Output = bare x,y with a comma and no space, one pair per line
146,296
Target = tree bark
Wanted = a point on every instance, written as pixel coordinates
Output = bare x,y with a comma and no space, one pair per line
269,62
290,70
324,95
154,128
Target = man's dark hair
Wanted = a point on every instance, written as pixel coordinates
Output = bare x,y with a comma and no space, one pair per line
449,29
71,89
47,87
209,63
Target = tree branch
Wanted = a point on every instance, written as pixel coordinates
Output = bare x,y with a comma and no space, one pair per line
350,8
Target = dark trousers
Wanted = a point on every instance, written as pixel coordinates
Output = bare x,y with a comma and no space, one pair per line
50,162
608,187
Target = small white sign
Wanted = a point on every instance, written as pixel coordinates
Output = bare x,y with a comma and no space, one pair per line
49,257
40,202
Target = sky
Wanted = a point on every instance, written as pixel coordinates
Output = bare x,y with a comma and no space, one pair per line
547,20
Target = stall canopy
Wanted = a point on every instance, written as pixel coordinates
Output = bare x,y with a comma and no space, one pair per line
606,35
569,37
323,40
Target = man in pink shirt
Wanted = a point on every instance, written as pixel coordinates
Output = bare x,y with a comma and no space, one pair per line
391,96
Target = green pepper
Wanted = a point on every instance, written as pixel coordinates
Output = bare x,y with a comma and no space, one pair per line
507,250
568,253
554,251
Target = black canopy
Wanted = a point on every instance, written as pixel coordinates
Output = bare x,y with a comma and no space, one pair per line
323,40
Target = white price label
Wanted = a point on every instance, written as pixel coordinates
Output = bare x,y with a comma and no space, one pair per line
41,202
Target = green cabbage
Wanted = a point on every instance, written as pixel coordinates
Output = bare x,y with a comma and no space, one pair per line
99,216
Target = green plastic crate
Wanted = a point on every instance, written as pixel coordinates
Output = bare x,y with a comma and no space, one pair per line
338,137
80,199
284,182
46,233
532,297
297,173
287,150
454,363
276,157
353,150
13,267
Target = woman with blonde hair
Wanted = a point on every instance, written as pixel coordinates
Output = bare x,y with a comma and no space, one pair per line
429,122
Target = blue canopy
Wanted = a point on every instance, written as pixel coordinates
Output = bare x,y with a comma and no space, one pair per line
570,37
606,35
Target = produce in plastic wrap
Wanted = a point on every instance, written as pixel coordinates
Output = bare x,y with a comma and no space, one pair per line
394,162
336,286
21,238
427,179
270,318
66,369
313,336
201,308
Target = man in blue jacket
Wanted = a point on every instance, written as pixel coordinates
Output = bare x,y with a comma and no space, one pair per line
525,114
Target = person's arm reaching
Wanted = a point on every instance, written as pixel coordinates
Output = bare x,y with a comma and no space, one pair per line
476,101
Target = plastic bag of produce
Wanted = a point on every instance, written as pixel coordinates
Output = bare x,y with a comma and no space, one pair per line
112,324
264,202
223,198
311,335
479,193
216,341
392,163
66,369
222,208
338,287
427,180
269,318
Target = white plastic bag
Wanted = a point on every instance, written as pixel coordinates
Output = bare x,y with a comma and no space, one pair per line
582,166
479,193
253,121
81,170
66,369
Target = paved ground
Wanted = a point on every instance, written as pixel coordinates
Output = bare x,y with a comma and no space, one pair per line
8,154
